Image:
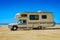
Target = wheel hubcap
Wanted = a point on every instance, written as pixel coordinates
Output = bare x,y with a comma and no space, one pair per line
14,27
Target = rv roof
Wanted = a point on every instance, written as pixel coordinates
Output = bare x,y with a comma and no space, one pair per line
36,12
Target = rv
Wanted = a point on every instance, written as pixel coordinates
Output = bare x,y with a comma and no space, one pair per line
39,20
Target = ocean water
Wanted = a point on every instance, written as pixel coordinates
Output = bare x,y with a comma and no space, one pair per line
3,24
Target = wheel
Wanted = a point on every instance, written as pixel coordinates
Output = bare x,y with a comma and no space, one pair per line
14,28
40,27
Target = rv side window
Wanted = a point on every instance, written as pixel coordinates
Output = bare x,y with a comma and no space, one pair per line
23,15
34,17
44,16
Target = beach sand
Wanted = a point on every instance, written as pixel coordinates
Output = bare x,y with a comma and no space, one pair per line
52,33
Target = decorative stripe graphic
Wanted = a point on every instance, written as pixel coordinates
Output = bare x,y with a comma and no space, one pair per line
40,22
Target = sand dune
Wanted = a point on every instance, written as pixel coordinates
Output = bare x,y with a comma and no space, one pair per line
49,34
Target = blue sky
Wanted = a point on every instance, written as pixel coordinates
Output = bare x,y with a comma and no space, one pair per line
9,8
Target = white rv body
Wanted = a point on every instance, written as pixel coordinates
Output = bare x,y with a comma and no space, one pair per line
35,19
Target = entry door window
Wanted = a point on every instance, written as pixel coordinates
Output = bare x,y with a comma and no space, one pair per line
44,16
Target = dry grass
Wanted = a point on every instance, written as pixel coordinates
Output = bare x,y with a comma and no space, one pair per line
47,34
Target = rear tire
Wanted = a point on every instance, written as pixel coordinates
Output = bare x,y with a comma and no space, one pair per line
14,28
40,27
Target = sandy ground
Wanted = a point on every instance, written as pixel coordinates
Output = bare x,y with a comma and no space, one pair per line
47,34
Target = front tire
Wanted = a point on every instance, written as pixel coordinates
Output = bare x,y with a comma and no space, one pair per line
14,28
